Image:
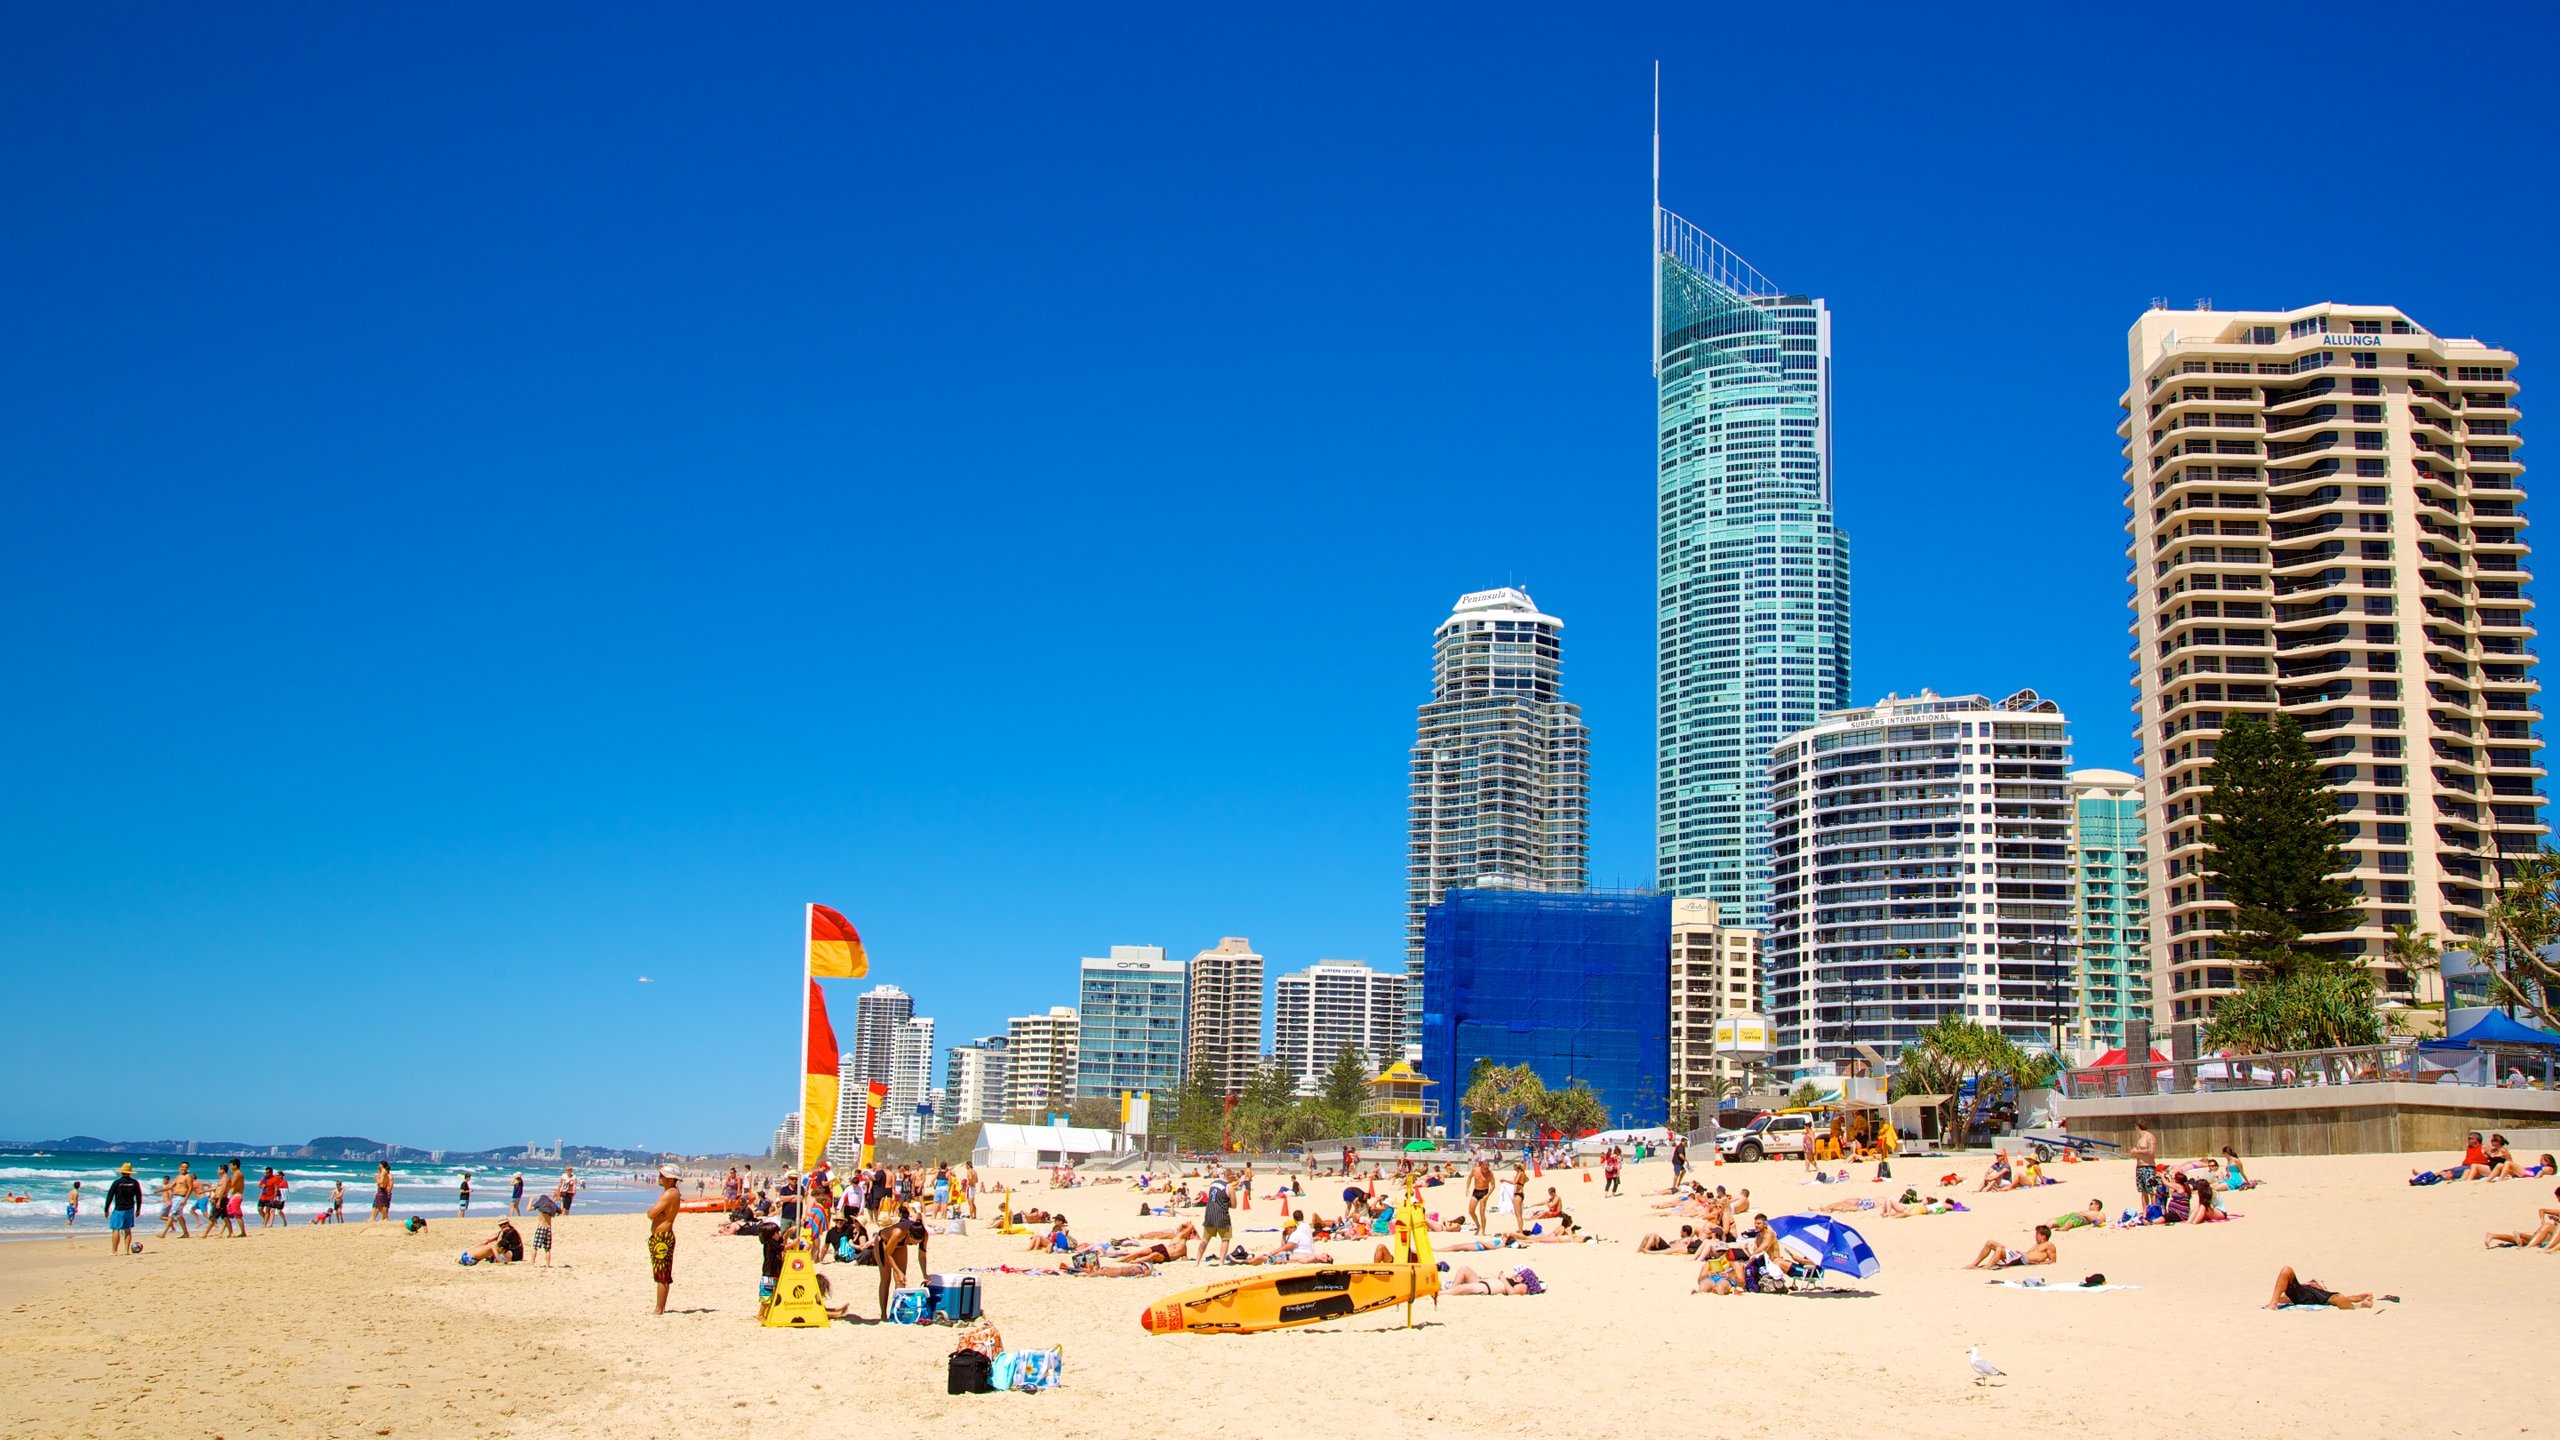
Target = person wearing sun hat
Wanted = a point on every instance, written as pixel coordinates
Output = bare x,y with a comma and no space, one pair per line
124,1201
662,1233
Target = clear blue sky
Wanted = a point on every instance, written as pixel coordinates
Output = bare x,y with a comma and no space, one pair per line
501,503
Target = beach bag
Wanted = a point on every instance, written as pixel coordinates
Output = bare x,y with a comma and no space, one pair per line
908,1306
981,1336
959,1225
1037,1369
971,1374
1001,1371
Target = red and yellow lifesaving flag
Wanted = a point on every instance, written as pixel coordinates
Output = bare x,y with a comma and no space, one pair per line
835,947
818,1083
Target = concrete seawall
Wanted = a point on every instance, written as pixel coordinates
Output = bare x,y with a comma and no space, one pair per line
2319,1120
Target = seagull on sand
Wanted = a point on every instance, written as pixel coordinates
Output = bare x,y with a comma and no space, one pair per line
1984,1372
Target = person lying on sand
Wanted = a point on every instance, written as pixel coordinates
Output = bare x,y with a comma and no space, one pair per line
1995,1256
1850,1206
1155,1252
1463,1281
1185,1231
1687,1244
2094,1213
2291,1290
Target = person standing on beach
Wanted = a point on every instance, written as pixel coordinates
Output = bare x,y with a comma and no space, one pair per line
515,1196
902,1234
181,1188
1679,1160
462,1201
544,1210
71,1207
1479,1189
1609,1164
568,1192
124,1202
1217,1222
239,1218
338,1203
2146,1161
662,1233
381,1191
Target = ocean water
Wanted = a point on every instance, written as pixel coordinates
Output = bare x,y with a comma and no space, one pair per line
426,1190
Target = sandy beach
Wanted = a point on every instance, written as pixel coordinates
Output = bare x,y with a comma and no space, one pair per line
350,1331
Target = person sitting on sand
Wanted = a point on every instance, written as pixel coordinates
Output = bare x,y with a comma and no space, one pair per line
2094,1214
1996,1256
2233,1177
2544,1236
1463,1281
1998,1176
504,1248
1552,1208
2291,1290
1720,1273
1057,1239
2204,1208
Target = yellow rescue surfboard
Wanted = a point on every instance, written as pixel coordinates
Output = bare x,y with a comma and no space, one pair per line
1289,1296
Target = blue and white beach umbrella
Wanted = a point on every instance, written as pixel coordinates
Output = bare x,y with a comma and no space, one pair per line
1827,1243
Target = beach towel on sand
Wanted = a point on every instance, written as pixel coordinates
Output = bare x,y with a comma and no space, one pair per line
2075,1289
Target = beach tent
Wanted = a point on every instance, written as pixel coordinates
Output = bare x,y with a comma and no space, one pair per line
2495,1028
1034,1147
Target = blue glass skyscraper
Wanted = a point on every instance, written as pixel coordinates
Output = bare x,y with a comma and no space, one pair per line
1752,573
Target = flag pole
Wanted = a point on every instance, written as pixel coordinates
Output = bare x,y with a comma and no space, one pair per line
800,1061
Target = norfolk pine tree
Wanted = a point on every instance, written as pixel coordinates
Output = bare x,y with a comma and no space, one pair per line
2273,840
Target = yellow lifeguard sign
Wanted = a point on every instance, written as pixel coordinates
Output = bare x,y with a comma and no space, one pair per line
795,1303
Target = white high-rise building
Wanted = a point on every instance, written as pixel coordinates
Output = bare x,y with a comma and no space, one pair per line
786,1140
1317,1011
1715,975
1921,864
973,1080
1040,1053
1225,1021
908,1115
2325,522
1501,769
877,1014
1130,1007
844,1146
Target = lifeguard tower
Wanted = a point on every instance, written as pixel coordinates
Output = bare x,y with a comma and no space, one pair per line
1397,1108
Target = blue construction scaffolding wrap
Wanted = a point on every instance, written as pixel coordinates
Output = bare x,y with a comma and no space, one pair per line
1575,986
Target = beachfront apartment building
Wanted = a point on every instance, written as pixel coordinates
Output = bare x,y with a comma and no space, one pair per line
786,1141
1225,1020
1752,572
877,1014
2325,520
1715,977
1040,1062
909,1112
1921,865
853,1098
2111,914
1131,1003
1501,768
973,1080
1318,1011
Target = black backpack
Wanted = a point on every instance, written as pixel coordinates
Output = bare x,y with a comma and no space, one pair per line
970,1373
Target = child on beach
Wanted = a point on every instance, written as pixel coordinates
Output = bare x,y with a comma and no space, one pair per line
544,1207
